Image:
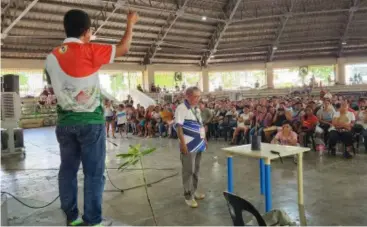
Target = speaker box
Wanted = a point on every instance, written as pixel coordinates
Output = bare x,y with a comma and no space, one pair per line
4,139
18,138
11,83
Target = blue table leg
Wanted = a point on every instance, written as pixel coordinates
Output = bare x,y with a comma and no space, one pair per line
262,177
230,173
268,198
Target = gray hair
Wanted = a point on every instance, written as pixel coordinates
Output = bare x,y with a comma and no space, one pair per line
191,90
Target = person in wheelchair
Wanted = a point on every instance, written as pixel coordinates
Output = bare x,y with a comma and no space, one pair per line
341,130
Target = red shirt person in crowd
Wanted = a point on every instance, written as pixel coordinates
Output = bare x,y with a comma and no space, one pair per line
308,125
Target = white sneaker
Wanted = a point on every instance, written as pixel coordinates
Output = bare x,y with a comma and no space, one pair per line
199,196
192,203
104,222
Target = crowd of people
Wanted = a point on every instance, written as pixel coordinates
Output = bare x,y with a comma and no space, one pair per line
320,122
158,89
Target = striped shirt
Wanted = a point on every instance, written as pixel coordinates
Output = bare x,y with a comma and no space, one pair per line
191,124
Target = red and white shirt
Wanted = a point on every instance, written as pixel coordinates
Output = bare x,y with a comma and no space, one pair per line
73,70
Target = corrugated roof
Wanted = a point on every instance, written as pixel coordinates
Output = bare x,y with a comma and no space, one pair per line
234,30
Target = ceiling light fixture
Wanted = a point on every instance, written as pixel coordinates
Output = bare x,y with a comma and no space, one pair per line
275,48
203,18
344,43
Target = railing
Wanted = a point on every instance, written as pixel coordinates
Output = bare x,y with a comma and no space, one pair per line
251,93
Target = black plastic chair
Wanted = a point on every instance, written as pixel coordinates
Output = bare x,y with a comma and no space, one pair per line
224,128
237,205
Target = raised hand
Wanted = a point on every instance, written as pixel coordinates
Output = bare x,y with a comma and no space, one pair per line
132,17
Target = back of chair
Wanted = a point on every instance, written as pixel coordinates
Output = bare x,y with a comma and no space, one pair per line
226,120
237,205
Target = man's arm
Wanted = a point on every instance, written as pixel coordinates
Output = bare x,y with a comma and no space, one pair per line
179,120
124,45
181,138
335,123
288,115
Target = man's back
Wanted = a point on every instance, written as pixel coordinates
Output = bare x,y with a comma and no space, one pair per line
73,71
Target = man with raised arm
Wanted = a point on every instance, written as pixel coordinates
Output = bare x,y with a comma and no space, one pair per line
72,70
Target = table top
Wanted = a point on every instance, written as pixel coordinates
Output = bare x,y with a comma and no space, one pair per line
245,150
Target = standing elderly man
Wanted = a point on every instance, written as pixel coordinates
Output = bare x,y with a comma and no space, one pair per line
191,135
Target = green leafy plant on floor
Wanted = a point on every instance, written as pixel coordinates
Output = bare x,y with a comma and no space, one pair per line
133,156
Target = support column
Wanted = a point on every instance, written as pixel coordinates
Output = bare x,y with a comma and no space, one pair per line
148,78
145,84
340,71
205,80
269,75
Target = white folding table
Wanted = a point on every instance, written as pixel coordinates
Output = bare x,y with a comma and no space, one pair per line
265,156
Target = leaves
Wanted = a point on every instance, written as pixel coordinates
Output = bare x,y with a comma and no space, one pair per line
148,151
124,155
124,164
134,154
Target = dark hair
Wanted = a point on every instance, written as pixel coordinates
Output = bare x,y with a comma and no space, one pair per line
286,123
121,106
297,103
337,106
246,106
308,107
76,23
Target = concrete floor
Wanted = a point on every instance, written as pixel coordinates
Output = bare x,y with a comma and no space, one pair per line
334,188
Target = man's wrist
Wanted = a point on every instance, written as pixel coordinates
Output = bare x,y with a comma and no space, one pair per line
129,25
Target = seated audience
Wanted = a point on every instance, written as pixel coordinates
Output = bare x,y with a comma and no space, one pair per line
325,116
341,130
167,121
121,119
140,121
286,135
308,125
259,120
243,123
361,123
269,117
206,116
153,88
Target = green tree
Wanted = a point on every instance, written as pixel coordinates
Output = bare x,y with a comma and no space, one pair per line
118,83
165,79
191,78
322,72
23,79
